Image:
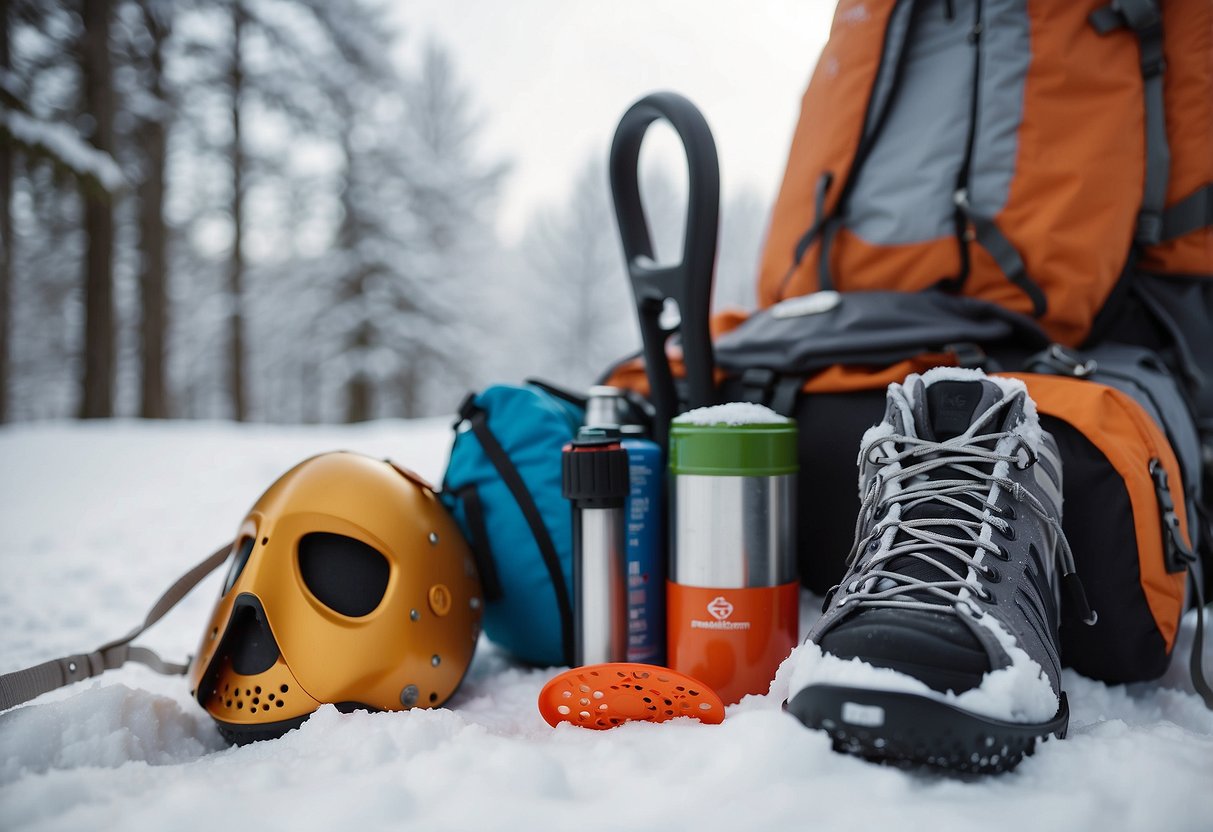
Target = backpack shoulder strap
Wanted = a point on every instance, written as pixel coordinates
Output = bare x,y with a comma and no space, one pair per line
1144,19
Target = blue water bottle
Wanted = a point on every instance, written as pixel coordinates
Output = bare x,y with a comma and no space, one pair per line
643,514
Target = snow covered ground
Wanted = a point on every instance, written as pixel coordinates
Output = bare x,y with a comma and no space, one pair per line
97,519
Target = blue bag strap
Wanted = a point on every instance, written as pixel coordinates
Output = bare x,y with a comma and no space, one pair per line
481,545
478,421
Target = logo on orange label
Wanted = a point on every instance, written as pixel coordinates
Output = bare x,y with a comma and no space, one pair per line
720,608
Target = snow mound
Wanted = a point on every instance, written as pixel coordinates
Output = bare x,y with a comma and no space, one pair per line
103,726
732,414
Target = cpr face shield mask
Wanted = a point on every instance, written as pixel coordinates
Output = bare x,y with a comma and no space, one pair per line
348,584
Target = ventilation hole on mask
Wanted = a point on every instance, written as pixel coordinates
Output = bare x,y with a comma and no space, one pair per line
271,697
598,694
239,705
705,706
648,700
284,688
265,707
256,701
693,692
236,692
563,709
257,689
264,541
228,703
669,713
583,715
584,688
679,688
345,574
665,679
667,701
225,687
279,703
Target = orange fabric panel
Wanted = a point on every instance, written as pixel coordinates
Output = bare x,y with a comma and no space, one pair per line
1080,170
859,266
844,379
1124,433
1188,89
826,139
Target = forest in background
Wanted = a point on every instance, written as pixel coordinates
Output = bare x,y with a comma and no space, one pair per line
249,210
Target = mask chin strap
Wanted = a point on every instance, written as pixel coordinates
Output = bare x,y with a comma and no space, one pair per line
23,685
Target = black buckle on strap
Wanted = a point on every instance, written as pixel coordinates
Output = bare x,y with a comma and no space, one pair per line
1149,228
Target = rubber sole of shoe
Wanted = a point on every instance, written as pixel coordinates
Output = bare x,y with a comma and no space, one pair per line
909,730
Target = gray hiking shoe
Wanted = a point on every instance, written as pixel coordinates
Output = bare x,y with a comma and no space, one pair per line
939,647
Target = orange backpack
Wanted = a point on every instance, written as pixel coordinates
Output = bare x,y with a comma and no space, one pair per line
1031,153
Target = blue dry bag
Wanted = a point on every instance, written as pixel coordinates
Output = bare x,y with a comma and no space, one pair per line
502,485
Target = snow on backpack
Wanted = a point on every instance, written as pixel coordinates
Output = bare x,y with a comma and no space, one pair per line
503,487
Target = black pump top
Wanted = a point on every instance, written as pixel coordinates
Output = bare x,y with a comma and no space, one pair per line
594,472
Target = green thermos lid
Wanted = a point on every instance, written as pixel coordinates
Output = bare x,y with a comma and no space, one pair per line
733,440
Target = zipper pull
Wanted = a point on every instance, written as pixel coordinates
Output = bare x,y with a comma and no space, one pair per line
1071,584
1077,596
1177,555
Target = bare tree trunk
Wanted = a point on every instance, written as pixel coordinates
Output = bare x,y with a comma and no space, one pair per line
98,383
359,392
153,238
6,230
235,284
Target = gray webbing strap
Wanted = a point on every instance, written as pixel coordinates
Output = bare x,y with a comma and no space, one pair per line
1195,660
23,685
1192,213
991,238
1144,19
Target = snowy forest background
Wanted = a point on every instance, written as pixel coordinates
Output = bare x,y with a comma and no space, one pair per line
249,209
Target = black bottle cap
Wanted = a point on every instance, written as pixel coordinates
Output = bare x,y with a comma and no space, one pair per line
594,472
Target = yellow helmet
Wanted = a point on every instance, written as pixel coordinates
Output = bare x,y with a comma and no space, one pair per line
349,584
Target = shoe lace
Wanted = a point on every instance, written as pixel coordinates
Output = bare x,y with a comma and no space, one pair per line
967,490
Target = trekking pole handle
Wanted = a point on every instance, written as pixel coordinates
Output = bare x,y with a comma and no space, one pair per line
688,282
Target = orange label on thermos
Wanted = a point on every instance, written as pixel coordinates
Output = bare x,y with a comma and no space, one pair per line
732,639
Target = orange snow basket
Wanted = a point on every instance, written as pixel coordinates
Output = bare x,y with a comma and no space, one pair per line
602,696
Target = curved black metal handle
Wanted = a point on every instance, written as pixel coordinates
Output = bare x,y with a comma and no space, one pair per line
688,282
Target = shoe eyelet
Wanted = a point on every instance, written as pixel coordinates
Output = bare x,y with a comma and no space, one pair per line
1008,511
1008,532
991,572
1001,553
984,595
825,604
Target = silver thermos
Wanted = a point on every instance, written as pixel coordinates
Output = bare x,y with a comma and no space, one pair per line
595,481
